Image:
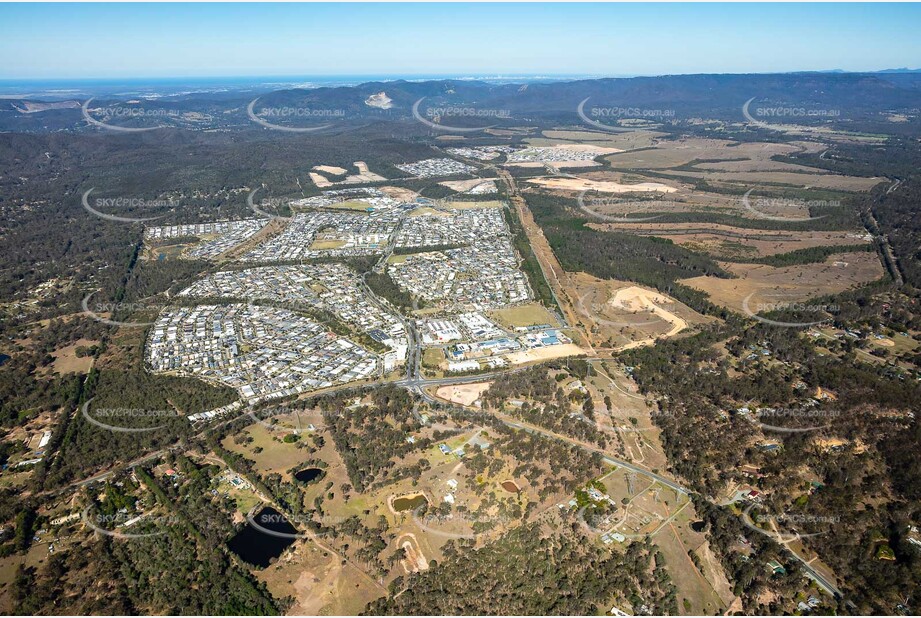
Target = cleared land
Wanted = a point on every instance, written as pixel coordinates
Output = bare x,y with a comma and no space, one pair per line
464,394
584,184
67,361
620,315
529,314
730,241
790,284
321,173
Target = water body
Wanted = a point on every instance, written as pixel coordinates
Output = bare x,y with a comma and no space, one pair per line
308,474
4,358
510,486
698,526
409,503
258,547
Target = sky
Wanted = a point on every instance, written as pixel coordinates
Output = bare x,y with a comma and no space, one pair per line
80,41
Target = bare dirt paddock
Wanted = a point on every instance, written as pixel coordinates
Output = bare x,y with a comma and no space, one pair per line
620,315
760,285
794,179
547,353
727,240
464,394
585,184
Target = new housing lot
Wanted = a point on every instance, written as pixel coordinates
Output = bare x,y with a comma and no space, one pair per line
283,329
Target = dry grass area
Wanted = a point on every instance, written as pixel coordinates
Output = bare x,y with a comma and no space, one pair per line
768,285
834,182
327,244
626,140
729,241
275,456
67,361
468,205
528,314
543,354
556,183
463,394
749,164
399,193
683,151
318,582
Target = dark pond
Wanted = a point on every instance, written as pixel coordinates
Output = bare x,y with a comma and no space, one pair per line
409,503
308,474
698,526
259,547
3,359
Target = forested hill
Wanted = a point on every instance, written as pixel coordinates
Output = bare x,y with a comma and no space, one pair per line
848,97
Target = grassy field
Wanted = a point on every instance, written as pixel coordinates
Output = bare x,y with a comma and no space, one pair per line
351,205
463,205
318,583
433,357
275,456
530,314
327,244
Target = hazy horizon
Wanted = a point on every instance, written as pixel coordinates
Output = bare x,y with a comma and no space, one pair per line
211,41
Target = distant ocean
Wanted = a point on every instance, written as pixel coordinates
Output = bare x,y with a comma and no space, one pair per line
154,87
